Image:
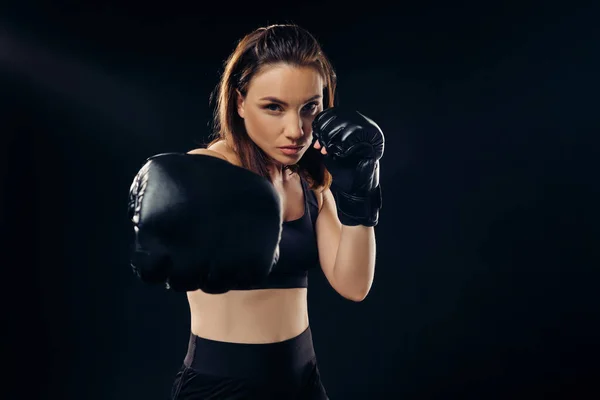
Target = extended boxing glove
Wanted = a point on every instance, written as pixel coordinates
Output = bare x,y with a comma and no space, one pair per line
203,223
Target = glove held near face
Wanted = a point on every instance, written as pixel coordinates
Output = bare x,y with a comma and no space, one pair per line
354,146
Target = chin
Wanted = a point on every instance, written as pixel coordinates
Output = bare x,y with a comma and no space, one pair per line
286,160
289,160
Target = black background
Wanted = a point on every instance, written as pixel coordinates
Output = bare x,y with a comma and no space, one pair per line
488,245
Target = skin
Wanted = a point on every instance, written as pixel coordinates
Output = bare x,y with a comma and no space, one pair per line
347,254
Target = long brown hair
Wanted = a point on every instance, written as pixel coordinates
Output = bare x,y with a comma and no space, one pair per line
289,44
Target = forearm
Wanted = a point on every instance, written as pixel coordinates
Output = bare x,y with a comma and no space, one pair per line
354,267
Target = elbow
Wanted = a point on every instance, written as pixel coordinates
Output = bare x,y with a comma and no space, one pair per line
354,288
357,298
356,295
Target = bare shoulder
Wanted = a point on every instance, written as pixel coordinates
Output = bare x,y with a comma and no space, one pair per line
219,150
208,152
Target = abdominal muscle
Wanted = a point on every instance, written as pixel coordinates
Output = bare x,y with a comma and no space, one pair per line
253,316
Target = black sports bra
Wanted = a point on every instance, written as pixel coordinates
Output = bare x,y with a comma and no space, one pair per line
298,252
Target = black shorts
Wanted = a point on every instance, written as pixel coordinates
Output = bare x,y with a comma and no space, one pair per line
220,370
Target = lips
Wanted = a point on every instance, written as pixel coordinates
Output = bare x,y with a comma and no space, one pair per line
291,150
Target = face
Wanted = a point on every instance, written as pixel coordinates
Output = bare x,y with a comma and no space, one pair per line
281,103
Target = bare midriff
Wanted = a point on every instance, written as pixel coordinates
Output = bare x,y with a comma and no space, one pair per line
251,316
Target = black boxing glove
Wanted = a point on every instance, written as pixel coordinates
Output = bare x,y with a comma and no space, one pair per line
203,223
354,145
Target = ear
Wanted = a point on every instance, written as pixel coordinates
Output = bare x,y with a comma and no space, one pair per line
240,104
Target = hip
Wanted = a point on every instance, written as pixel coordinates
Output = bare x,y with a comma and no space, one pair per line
213,369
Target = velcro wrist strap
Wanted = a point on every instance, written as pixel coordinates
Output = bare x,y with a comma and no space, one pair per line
356,210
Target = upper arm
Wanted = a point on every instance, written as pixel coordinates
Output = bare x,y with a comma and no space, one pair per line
328,230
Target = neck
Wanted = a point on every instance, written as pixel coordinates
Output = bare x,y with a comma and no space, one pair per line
279,173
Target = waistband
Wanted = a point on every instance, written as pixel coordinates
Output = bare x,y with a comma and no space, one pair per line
253,361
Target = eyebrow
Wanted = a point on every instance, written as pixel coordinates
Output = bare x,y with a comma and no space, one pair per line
283,103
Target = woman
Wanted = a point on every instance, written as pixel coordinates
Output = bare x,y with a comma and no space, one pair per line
256,343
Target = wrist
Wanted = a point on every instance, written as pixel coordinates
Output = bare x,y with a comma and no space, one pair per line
358,208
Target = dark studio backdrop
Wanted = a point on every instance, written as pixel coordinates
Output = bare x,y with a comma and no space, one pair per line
486,283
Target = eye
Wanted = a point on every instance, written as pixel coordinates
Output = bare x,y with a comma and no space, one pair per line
272,107
310,107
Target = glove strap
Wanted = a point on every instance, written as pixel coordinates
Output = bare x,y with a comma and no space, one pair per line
359,210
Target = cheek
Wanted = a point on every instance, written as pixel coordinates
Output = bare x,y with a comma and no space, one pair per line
307,124
260,125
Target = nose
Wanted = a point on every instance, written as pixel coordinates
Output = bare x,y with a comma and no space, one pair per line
294,128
